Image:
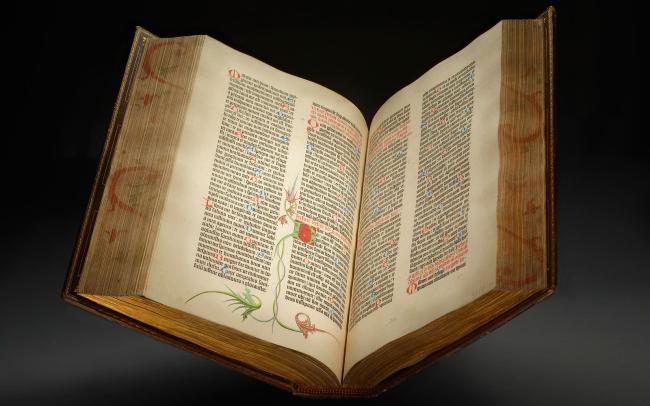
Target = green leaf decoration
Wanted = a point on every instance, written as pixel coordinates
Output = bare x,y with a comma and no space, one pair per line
245,301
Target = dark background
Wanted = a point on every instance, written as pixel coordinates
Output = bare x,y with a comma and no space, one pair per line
587,344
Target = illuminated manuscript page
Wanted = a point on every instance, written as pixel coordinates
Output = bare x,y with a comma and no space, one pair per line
427,228
259,225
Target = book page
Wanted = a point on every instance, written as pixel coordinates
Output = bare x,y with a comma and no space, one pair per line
259,224
427,231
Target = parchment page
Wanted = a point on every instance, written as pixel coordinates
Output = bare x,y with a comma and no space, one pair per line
258,226
427,231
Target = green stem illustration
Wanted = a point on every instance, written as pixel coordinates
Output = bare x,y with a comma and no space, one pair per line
249,303
245,301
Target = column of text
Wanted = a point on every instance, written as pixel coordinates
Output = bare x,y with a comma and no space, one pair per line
321,257
380,219
245,191
439,243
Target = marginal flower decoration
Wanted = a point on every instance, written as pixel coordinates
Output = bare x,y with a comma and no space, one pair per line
304,233
291,195
246,302
304,324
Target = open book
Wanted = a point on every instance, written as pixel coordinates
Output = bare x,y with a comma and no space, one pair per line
256,218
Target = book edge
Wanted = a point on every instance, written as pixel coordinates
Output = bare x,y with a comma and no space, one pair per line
105,159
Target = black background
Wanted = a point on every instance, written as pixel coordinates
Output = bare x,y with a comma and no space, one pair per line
587,344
